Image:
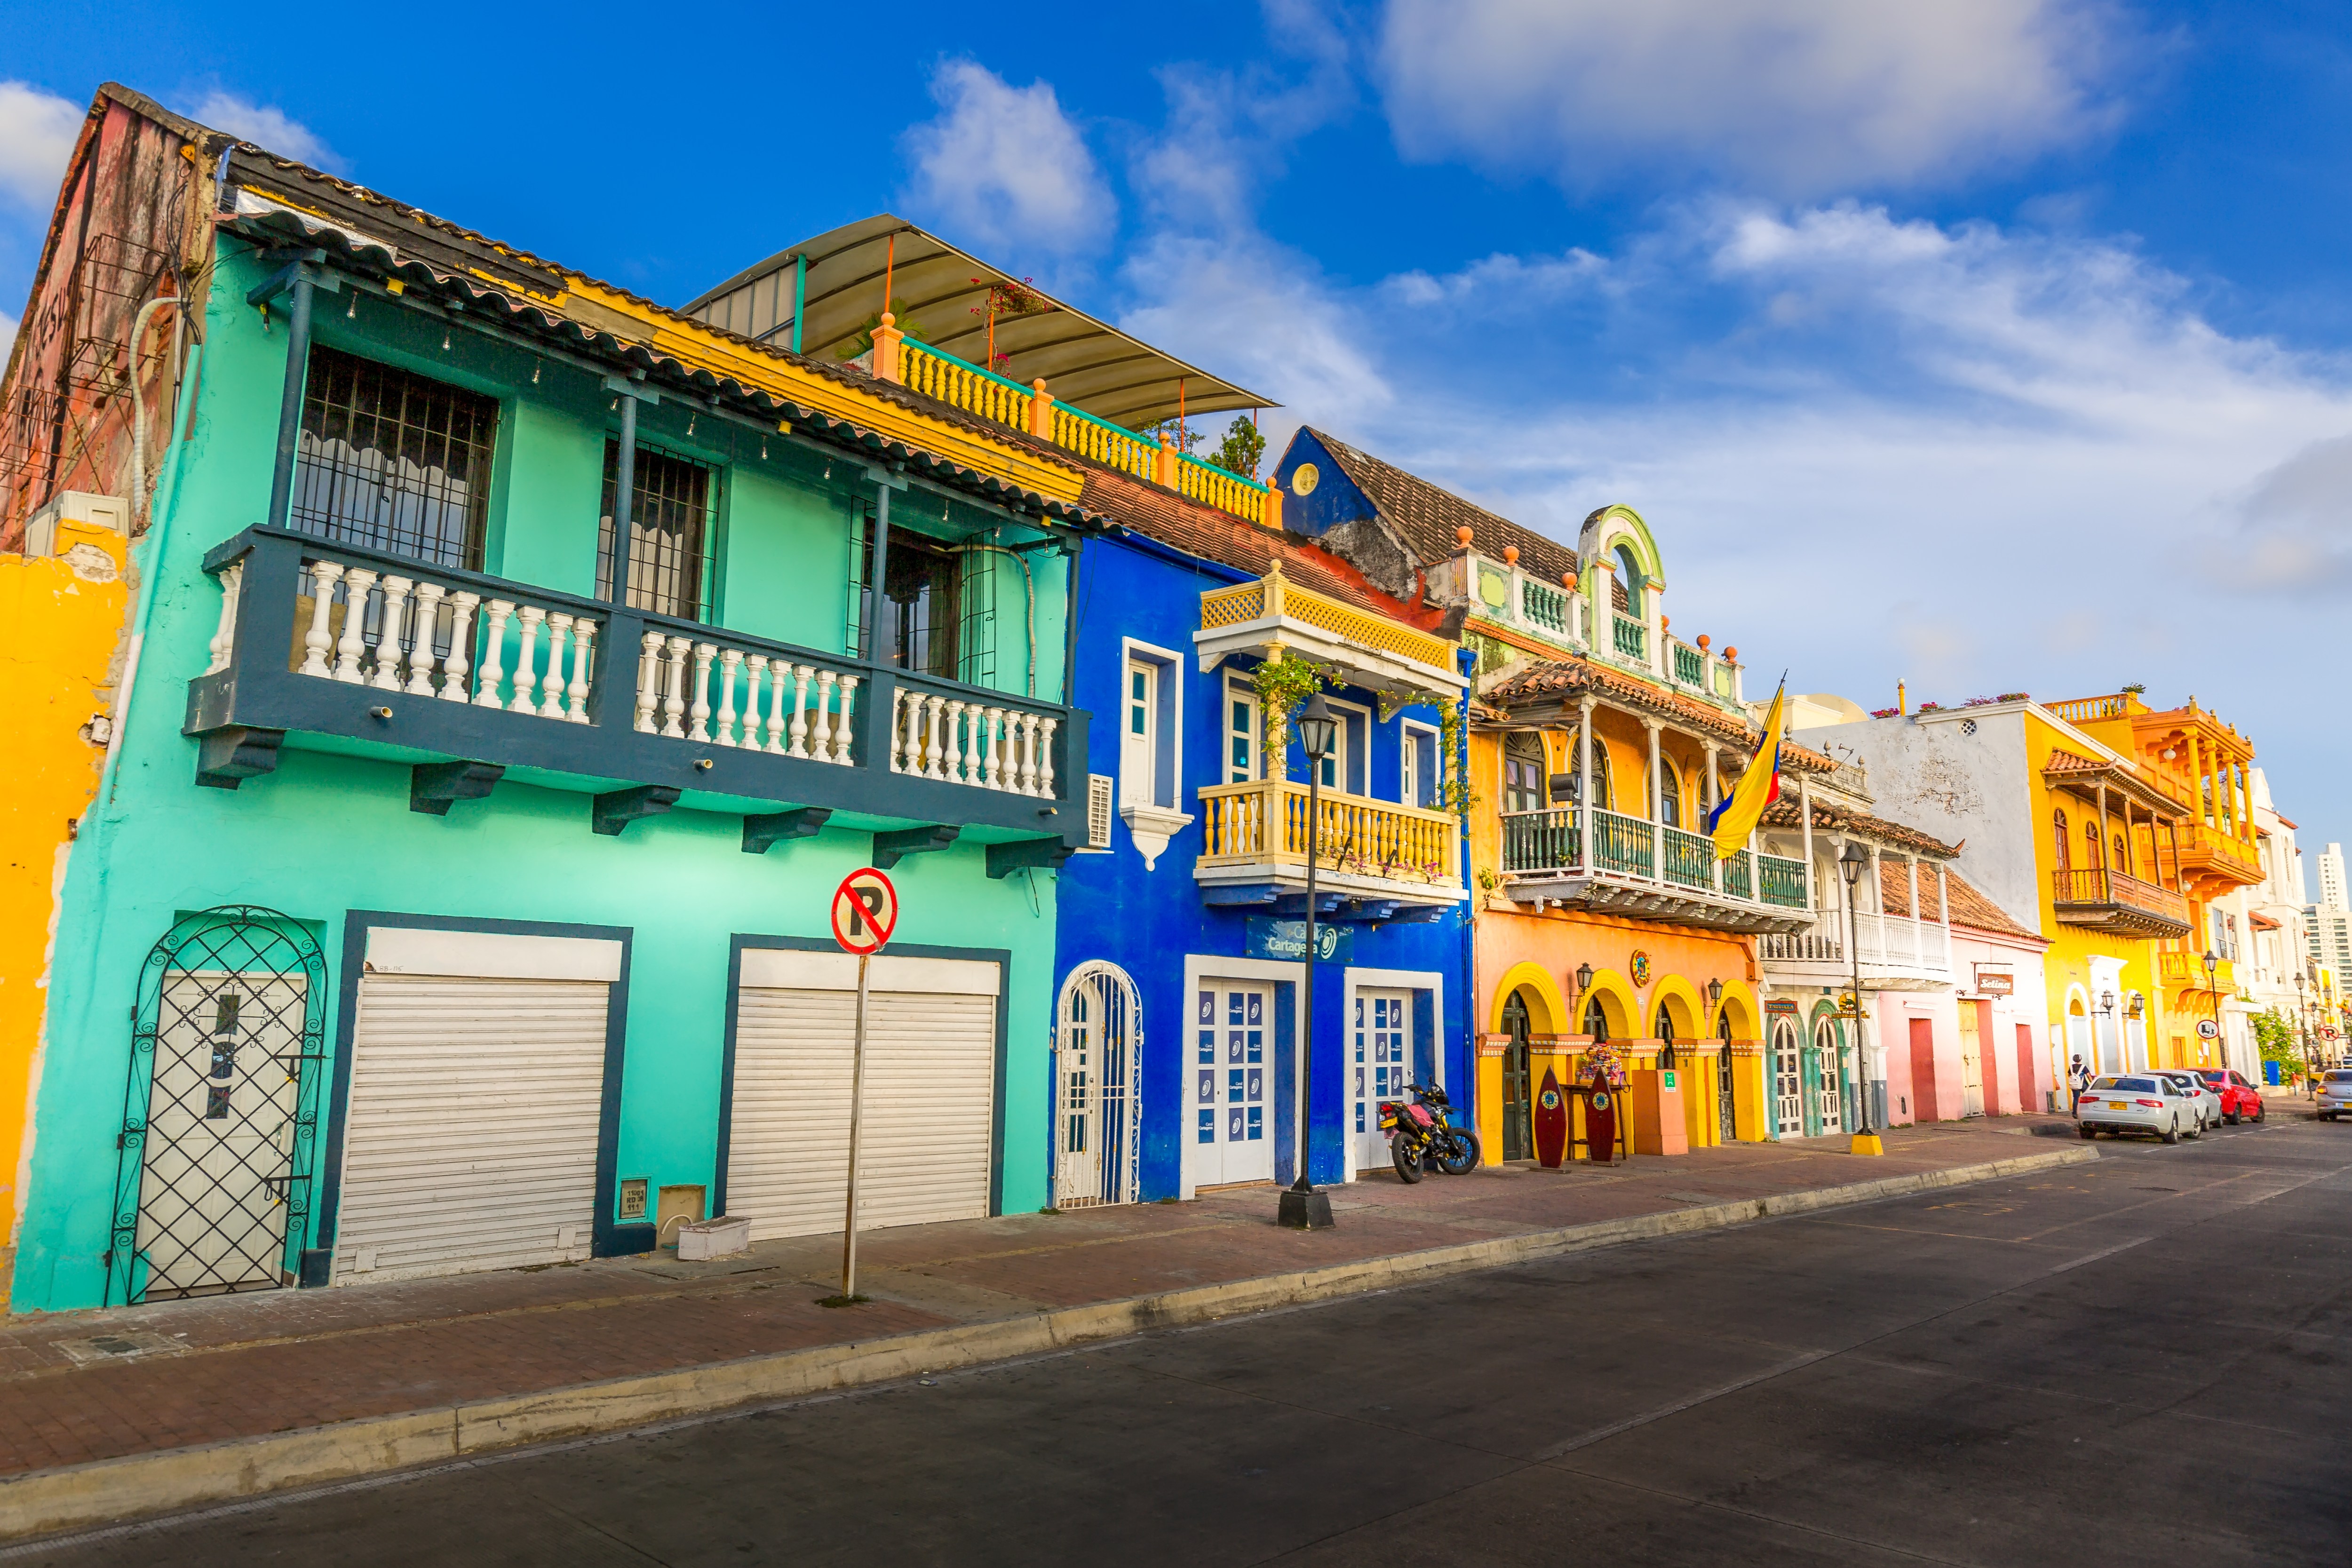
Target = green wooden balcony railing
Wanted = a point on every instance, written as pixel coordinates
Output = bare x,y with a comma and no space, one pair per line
1739,875
1544,606
1631,638
1783,881
1621,842
1689,668
1542,840
1690,859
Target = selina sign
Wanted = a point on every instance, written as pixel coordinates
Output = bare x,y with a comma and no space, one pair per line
1991,981
1286,941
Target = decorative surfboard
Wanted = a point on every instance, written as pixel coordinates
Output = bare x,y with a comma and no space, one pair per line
1600,1121
1551,1123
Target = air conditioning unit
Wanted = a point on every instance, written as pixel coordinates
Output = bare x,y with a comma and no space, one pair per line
74,505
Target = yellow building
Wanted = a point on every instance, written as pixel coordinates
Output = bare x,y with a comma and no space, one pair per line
2209,850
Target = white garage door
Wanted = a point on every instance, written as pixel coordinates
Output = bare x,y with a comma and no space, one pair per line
477,1077
930,1080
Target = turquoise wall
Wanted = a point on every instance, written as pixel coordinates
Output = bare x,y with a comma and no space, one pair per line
324,834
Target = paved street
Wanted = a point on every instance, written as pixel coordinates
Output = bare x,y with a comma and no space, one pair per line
2141,1360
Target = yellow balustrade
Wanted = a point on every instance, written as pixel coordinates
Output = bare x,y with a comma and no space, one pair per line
1266,822
960,386
1212,486
2188,969
2082,709
1273,595
1113,447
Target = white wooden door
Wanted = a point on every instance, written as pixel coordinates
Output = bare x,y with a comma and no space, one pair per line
1233,1078
1379,1063
926,1138
1971,1063
470,1138
1139,737
218,1151
1788,1082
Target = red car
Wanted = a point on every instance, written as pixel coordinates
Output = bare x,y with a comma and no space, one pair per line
2240,1100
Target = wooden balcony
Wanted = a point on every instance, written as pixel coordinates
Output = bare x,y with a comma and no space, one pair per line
1649,870
1371,852
2111,902
471,679
1368,649
2187,971
1896,952
2216,859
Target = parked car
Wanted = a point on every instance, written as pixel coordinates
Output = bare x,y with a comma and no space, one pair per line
2209,1104
2141,1102
2335,1093
2242,1099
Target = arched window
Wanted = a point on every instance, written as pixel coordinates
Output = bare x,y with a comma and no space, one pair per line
2123,856
2091,845
1666,1028
2065,848
1670,795
1523,773
1596,1021
1605,794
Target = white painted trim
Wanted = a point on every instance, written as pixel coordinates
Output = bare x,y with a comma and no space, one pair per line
778,968
1199,967
491,955
1171,697
1436,739
1352,979
1237,686
1340,772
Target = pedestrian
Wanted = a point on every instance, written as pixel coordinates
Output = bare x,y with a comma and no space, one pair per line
2078,1078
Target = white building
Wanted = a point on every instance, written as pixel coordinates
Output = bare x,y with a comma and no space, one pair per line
2274,946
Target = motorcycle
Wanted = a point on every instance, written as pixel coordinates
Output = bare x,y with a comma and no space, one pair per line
1421,1135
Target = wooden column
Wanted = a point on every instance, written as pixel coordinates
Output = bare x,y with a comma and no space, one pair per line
1584,804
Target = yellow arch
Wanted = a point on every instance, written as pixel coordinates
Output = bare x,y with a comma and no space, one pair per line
1538,982
1619,1005
1747,1016
1683,1004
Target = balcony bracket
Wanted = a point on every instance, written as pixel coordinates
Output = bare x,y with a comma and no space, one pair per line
1377,910
1027,854
1238,895
762,832
617,809
226,758
433,787
1293,906
1419,914
889,848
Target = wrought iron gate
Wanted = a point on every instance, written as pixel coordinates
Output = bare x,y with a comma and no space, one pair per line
219,1132
1099,1052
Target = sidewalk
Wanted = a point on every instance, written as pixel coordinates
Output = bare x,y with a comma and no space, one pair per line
476,1361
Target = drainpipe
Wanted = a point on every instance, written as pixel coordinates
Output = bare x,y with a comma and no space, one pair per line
290,404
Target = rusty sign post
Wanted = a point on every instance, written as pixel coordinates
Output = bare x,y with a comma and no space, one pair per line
865,912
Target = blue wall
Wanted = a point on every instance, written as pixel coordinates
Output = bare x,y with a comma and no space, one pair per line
1148,921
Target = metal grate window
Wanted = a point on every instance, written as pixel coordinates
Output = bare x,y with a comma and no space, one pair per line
393,461
922,595
669,533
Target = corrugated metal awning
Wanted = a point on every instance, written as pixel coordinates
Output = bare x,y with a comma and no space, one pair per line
944,293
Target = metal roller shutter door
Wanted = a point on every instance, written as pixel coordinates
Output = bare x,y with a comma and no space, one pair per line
931,1079
471,1140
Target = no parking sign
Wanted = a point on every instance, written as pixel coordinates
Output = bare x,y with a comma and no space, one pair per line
865,911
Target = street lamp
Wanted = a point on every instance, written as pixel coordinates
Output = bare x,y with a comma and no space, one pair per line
1852,861
2301,1016
1302,1207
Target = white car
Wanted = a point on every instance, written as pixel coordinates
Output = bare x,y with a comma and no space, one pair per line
2209,1104
2136,1102
2335,1093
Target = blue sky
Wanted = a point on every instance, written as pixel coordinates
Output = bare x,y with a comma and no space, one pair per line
1997,345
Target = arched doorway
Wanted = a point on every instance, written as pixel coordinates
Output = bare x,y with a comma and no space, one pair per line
1099,1075
1787,1080
220,1117
1518,1119
1829,1055
1727,1113
1596,1021
1667,1059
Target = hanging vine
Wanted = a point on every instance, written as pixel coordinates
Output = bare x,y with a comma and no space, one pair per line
1283,684
1454,791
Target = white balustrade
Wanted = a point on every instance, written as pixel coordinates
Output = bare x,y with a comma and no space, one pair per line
396,628
722,696
957,741
224,645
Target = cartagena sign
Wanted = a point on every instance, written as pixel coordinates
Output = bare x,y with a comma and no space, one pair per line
1285,941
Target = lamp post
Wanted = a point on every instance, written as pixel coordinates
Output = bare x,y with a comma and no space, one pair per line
1302,1207
2301,1017
1853,860
2213,994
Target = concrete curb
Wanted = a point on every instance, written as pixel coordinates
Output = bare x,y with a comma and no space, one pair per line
104,1491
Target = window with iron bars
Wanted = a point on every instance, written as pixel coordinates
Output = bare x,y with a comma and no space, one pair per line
939,615
393,461
670,532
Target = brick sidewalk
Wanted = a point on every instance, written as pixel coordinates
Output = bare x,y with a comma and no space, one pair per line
81,1386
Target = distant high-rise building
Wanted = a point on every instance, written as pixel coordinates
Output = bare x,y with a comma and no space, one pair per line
2331,879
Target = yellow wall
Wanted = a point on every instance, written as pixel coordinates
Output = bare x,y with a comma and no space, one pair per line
60,617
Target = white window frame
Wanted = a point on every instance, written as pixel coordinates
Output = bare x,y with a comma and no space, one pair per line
1341,762
1427,735
1154,808
1237,690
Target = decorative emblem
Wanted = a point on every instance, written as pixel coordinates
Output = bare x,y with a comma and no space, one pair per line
1551,1100
1304,479
1600,1100
1641,968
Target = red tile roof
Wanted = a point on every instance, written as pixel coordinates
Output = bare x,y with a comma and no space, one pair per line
1828,818
1970,908
1559,680
1427,516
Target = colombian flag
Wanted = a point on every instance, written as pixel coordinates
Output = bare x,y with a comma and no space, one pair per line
1736,815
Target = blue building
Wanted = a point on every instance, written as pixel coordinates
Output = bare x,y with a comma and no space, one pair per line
1180,1026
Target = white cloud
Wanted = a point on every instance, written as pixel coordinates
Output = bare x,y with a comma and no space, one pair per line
36,136
267,127
7,335
2298,534
1796,97
1003,169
